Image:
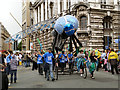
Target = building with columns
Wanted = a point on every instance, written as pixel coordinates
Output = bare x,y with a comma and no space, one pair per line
98,21
25,23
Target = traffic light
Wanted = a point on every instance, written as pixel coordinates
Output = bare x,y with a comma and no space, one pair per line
110,40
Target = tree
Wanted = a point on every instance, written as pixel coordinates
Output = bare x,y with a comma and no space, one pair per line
19,46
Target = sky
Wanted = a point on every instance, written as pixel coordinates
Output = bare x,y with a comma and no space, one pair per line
14,7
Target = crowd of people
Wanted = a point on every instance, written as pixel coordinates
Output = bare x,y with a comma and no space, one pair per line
45,62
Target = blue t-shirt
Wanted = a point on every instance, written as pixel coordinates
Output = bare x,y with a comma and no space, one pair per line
70,56
48,57
66,58
39,60
8,58
62,60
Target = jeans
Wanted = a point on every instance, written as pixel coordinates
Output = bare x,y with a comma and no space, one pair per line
40,68
25,63
13,72
28,62
62,65
99,64
50,70
112,68
70,66
108,66
105,66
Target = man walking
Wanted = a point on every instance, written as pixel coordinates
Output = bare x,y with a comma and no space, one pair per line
113,59
49,63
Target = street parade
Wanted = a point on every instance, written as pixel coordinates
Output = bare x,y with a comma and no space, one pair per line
55,50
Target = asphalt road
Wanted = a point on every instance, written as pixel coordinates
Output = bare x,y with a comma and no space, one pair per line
31,79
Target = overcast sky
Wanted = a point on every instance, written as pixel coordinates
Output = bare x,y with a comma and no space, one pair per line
15,7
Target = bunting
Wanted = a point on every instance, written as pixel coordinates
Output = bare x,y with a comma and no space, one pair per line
40,26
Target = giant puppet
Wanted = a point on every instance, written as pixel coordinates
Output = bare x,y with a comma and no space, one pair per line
65,28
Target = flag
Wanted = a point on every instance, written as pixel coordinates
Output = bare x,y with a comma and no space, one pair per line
48,26
12,39
36,25
41,29
45,25
17,36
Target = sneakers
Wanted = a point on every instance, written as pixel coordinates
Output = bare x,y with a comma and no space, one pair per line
47,79
93,77
8,84
53,79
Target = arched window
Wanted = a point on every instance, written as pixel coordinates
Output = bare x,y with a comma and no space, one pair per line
83,23
107,22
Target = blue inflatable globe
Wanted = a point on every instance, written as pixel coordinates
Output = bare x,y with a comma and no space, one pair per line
68,24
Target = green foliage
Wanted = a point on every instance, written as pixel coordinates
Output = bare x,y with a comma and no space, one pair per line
19,46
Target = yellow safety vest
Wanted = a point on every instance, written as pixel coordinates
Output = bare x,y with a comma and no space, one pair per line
113,56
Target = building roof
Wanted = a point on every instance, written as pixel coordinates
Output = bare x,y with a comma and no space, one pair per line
4,29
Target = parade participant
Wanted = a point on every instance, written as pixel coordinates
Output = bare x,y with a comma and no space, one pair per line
86,55
80,62
62,61
28,59
34,59
66,60
40,63
92,65
25,60
17,58
70,61
13,68
98,54
105,63
20,59
113,59
8,58
108,63
49,64
103,57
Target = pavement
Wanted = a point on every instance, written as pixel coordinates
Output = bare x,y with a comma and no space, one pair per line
31,79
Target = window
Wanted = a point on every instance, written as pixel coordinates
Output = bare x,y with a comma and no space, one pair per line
44,10
107,22
61,8
83,23
103,1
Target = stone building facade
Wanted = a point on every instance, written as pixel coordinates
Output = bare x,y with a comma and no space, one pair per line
25,23
4,34
98,21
